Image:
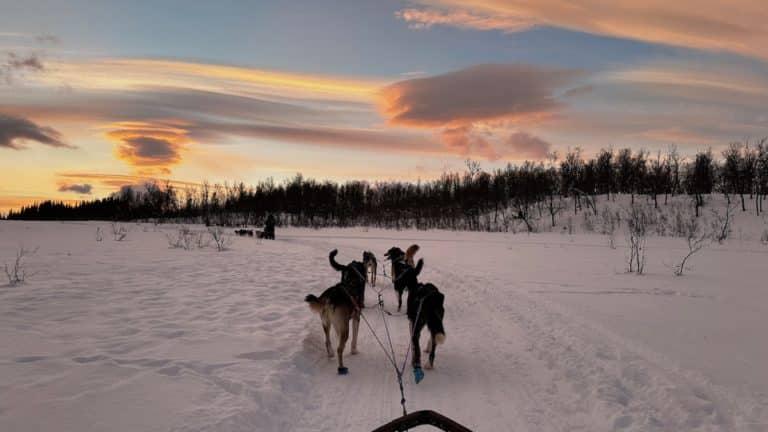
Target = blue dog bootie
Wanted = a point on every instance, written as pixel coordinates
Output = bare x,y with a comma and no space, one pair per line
418,374
343,371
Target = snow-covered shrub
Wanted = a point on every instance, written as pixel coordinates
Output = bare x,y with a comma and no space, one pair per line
697,237
608,225
188,239
662,224
99,234
175,241
672,220
201,240
651,215
637,229
17,272
220,238
764,237
182,239
678,224
722,222
119,232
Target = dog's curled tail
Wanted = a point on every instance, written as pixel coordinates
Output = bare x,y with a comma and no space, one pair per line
315,305
410,253
332,259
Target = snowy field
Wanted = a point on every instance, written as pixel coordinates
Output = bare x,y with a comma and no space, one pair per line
545,332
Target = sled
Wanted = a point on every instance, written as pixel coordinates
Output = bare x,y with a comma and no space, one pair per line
420,418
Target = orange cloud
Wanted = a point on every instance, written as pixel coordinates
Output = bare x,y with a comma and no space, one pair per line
718,25
478,93
479,98
677,135
524,145
152,148
138,74
463,141
518,145
352,138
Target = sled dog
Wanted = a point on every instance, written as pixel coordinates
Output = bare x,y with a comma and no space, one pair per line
336,308
400,266
426,308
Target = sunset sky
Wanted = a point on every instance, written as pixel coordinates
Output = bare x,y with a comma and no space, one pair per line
96,96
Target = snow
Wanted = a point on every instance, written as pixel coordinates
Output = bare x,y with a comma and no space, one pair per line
545,332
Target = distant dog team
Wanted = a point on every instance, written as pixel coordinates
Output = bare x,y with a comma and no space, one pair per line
343,302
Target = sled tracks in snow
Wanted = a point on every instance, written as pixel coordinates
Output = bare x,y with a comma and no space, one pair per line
515,360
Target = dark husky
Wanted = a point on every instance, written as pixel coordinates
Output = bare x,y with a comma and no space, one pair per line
244,232
394,254
425,307
400,265
353,275
337,307
369,261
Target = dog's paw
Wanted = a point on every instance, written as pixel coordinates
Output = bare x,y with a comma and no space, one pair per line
354,352
330,355
343,371
428,366
418,374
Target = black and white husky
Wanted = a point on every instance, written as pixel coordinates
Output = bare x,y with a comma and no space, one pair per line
425,307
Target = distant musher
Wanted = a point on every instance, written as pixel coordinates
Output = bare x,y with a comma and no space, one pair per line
269,227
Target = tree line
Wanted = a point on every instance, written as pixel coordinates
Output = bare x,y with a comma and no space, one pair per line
474,199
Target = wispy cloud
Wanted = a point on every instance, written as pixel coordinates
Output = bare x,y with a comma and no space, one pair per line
426,18
16,65
719,25
135,74
113,181
16,131
349,138
47,39
207,104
